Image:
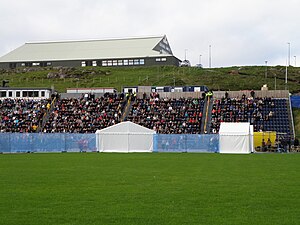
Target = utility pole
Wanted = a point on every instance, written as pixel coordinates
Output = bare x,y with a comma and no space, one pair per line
209,56
266,72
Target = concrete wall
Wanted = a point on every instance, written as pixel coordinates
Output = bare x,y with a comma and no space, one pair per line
221,94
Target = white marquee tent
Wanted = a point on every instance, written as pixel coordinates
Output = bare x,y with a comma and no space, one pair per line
125,137
236,138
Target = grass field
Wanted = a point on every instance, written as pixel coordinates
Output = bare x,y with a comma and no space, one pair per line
161,188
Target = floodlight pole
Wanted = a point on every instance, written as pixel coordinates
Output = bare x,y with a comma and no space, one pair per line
295,60
266,72
209,56
289,53
185,53
200,59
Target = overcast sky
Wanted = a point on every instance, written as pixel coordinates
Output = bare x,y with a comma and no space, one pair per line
240,32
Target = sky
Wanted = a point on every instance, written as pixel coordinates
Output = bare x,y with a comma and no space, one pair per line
240,32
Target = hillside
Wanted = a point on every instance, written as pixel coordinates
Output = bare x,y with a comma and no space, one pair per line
231,78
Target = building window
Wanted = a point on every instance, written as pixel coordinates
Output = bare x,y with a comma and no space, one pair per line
23,64
125,62
120,62
18,94
115,62
94,63
3,94
130,61
35,64
104,63
35,94
83,64
10,94
49,64
109,63
163,59
136,62
42,93
142,61
157,59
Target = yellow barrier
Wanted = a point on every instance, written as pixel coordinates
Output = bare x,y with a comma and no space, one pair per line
259,136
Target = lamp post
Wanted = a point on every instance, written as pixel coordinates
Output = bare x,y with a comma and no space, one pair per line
289,53
200,59
266,72
209,56
295,60
185,53
287,64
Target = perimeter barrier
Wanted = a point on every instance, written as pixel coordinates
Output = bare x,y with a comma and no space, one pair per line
47,142
186,143
75,142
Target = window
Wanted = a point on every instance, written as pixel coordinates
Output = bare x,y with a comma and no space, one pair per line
3,94
18,94
83,64
125,62
10,94
163,59
35,94
25,94
157,59
94,63
120,62
115,62
35,64
136,62
42,93
104,63
130,61
109,63
22,64
142,61
48,64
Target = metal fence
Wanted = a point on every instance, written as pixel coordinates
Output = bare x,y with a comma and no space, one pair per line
186,143
46,142
70,142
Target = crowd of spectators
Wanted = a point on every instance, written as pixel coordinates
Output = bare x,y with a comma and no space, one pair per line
163,115
21,115
85,115
261,112
168,116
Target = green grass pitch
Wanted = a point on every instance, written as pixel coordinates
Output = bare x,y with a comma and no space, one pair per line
158,188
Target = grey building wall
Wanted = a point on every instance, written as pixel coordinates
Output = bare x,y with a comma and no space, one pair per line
149,61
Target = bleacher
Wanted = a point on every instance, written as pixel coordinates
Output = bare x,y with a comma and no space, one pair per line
168,115
265,114
165,115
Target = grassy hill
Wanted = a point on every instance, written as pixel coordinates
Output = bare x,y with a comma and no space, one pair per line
231,78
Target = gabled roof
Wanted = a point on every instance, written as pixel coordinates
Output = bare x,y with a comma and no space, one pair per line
90,49
125,128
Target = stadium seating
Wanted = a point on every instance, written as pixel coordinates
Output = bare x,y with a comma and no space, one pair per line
21,115
84,115
266,114
168,116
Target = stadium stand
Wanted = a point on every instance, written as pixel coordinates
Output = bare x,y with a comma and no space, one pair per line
21,115
168,115
84,115
266,114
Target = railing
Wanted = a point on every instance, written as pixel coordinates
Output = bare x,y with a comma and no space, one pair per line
73,142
